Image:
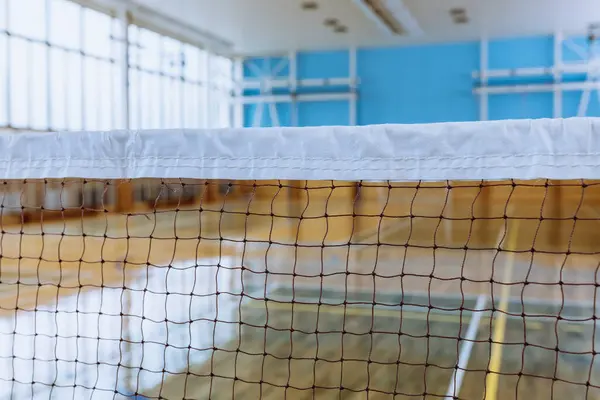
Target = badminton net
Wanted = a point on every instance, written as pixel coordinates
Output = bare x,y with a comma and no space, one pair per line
453,261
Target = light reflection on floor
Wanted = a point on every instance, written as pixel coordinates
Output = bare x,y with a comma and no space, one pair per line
79,346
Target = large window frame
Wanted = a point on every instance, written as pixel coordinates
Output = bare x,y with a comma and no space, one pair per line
66,65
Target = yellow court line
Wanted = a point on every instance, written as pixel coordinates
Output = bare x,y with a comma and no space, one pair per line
499,329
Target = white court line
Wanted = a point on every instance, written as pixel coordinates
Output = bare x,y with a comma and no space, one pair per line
465,350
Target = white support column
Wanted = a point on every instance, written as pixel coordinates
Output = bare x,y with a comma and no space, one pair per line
29,82
181,83
483,67
82,71
353,80
49,87
592,76
114,51
7,61
124,67
558,60
588,65
273,114
258,111
238,77
267,75
207,93
258,106
139,111
162,91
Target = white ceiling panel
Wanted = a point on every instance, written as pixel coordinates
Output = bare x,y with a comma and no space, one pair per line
263,26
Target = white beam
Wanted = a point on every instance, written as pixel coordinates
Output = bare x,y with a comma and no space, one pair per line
279,67
397,9
256,70
584,102
286,98
372,16
571,68
537,88
257,83
403,15
577,49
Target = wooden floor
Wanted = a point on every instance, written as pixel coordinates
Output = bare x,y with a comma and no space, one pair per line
376,365
156,303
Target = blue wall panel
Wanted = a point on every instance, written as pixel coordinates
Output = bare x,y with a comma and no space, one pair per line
315,113
521,52
433,83
417,84
520,106
323,64
571,103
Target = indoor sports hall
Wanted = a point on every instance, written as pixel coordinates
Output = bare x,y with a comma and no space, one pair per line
299,199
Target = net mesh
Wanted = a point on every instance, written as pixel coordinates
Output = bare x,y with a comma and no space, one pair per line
215,289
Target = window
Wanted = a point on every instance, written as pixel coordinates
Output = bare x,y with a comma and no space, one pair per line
174,84
61,68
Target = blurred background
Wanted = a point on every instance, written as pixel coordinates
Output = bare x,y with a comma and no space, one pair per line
170,288
133,64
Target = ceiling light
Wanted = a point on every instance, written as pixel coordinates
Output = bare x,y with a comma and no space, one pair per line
456,12
310,5
391,15
459,15
331,22
463,19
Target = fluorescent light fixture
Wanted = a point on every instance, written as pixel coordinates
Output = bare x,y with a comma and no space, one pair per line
391,15
310,5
